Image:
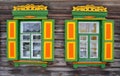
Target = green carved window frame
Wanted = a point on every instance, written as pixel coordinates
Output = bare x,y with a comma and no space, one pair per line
88,34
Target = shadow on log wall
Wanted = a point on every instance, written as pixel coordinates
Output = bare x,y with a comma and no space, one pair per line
59,10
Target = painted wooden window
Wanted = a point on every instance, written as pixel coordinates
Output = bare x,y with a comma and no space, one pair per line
89,40
30,36
34,37
30,42
88,33
93,35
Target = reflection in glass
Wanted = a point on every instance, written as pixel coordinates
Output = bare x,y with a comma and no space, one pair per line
83,50
83,54
25,37
36,37
83,38
88,27
36,49
93,28
83,46
93,37
83,28
31,26
94,47
26,49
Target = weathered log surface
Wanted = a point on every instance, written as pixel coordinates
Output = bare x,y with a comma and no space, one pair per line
59,10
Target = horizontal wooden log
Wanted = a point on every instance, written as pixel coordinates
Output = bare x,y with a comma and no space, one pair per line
60,69
5,73
58,62
5,12
6,68
5,17
113,17
115,64
105,2
5,7
59,53
117,53
117,37
54,73
59,1
112,69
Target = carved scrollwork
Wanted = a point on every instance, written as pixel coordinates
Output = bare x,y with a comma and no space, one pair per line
30,7
90,8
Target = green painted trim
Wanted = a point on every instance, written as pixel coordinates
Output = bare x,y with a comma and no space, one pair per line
20,18
103,41
52,40
42,14
17,64
81,14
76,40
30,12
103,66
89,19
75,66
16,40
88,15
44,65
23,17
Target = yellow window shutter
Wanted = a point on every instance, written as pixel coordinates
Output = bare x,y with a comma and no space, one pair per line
71,53
48,40
12,39
108,40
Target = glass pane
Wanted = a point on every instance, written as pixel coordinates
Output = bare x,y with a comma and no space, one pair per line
25,50
25,37
83,54
83,47
93,38
83,50
88,27
30,26
83,38
94,27
36,50
83,28
94,47
36,37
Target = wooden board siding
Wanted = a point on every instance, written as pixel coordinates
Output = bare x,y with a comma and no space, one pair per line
59,10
